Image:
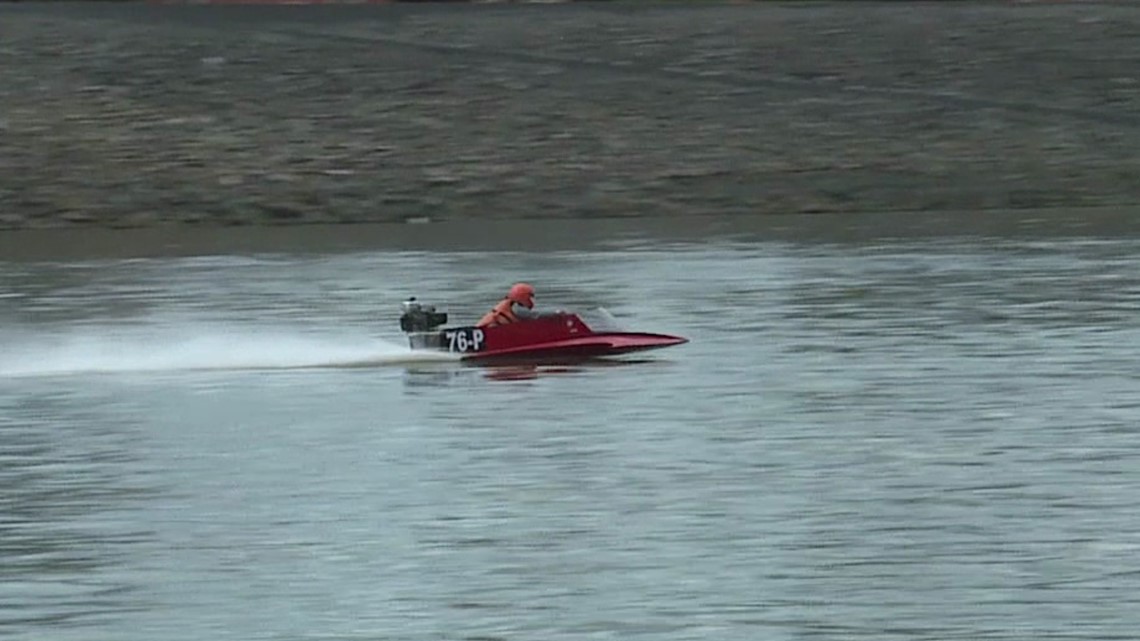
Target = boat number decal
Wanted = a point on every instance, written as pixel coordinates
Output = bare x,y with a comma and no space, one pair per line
469,339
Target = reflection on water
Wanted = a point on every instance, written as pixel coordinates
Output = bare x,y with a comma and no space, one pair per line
429,376
926,439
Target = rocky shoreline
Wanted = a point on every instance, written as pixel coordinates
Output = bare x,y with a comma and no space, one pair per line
131,115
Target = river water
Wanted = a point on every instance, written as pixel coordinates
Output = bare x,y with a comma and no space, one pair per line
919,437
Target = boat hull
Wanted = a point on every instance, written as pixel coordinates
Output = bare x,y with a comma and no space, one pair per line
593,346
556,336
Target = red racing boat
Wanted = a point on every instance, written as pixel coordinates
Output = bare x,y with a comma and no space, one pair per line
556,335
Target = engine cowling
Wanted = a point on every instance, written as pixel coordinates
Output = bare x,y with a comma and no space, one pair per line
417,317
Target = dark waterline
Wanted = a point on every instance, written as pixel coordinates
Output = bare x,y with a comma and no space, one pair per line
564,234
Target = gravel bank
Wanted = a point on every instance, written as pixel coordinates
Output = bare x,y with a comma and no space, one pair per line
141,115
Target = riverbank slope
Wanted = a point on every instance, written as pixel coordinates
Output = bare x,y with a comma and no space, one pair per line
141,115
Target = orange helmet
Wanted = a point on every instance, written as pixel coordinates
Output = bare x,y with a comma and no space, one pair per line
523,294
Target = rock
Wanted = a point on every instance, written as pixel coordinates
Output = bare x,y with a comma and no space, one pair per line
191,217
10,220
282,212
77,216
135,219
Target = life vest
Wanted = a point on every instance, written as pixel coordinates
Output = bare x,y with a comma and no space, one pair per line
500,314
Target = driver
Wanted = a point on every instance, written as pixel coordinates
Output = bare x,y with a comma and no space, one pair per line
505,311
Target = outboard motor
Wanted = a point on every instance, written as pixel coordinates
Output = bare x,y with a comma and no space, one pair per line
420,318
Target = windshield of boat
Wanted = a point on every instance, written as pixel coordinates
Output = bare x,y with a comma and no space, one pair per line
599,319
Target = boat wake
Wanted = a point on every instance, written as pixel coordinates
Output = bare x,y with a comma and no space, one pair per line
99,351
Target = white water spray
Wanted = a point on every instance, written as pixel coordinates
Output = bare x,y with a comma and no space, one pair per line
100,350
